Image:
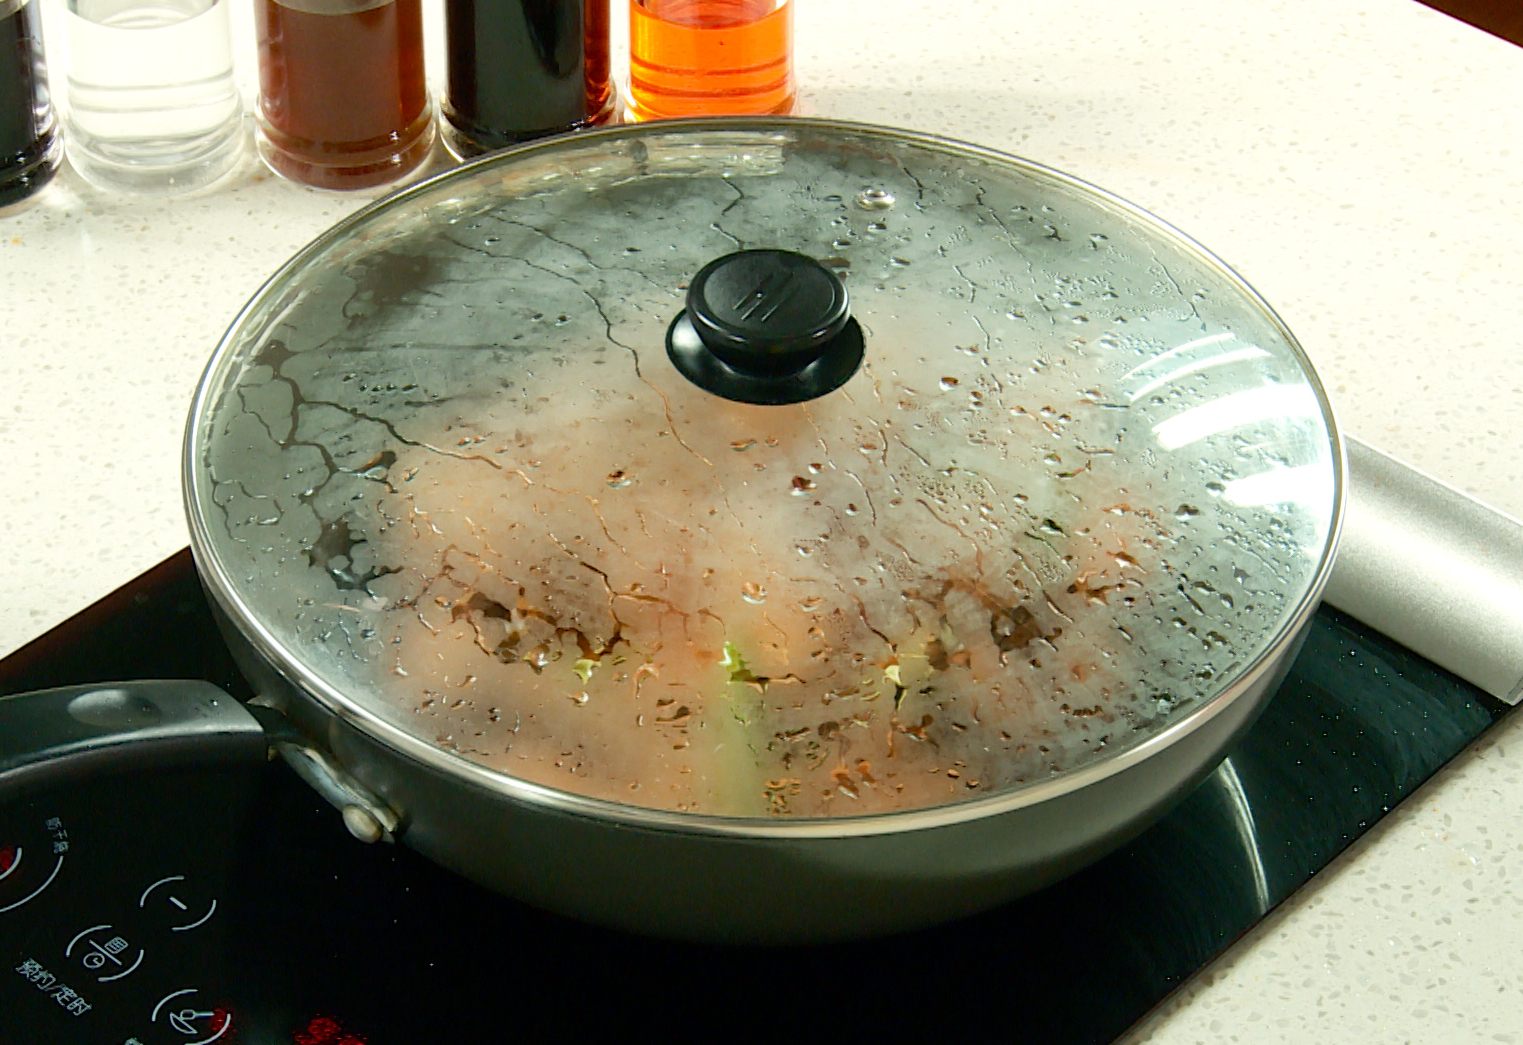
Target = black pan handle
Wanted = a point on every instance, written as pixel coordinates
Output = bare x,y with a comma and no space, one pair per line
58,736
54,737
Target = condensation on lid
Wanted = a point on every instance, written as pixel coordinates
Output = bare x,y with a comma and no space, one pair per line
1080,483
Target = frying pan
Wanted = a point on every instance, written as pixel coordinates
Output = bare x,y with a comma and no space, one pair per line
1208,414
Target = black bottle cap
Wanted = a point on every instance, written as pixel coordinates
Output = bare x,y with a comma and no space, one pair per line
766,326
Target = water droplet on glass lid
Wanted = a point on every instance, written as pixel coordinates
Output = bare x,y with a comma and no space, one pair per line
875,199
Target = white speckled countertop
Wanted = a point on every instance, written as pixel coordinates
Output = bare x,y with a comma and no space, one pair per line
1360,162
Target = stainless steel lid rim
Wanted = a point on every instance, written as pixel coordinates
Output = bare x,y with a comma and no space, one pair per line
352,711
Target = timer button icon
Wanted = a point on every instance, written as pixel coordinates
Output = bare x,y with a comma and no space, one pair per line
102,946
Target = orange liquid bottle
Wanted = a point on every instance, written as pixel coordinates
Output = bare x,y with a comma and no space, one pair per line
710,57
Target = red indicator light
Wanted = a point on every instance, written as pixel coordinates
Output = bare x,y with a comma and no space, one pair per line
7,857
324,1030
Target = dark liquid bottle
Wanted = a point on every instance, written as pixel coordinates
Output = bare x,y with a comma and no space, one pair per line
29,143
522,69
342,99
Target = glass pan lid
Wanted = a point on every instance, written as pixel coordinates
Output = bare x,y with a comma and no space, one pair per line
1081,480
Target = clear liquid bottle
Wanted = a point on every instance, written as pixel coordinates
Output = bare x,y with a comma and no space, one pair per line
153,105
522,69
710,58
342,99
30,147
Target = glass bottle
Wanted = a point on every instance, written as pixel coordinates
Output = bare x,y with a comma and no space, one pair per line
29,143
342,99
153,106
710,57
522,69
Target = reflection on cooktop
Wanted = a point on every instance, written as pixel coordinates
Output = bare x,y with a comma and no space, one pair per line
372,944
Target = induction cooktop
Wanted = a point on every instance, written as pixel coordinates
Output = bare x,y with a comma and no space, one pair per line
181,906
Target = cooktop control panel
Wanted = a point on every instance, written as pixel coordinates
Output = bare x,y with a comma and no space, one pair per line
114,924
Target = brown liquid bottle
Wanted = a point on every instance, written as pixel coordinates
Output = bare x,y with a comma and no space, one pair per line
342,98
710,57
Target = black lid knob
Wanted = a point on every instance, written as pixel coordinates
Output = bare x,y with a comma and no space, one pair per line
766,326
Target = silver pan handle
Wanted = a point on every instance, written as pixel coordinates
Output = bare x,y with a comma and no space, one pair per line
366,815
1433,568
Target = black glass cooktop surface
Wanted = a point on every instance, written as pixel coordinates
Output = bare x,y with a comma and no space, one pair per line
248,914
